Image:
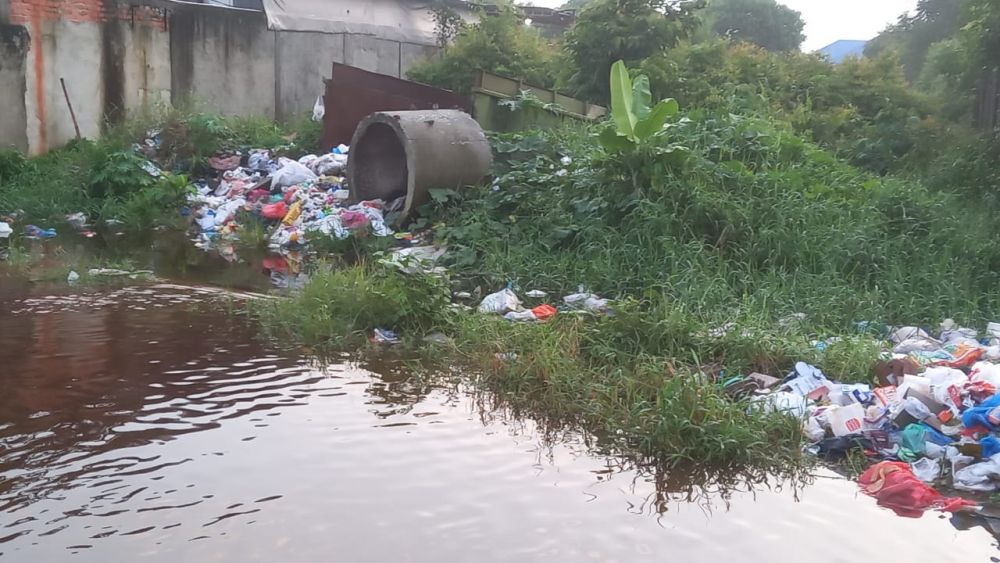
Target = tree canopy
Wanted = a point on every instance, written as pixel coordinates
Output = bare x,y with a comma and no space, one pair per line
764,23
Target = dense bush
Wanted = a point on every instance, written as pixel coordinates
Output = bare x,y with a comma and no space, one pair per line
728,217
500,44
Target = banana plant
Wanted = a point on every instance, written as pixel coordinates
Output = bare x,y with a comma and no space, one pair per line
634,121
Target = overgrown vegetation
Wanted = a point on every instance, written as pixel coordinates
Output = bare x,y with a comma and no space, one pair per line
112,179
501,44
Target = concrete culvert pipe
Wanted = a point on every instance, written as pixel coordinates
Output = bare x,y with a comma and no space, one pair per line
397,154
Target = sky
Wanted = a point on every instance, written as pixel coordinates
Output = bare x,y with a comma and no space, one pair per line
830,20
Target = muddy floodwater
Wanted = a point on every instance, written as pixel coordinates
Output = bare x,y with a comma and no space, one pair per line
151,424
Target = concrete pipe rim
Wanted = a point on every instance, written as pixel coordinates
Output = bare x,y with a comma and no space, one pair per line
379,120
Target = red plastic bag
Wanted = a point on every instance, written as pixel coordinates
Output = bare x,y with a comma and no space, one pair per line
544,312
895,487
275,211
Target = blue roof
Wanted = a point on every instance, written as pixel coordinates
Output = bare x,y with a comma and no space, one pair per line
840,50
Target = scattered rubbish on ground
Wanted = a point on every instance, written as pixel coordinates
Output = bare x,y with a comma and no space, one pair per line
72,277
112,272
36,232
933,418
294,201
501,302
385,336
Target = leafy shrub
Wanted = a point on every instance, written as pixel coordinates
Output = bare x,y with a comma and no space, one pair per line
500,44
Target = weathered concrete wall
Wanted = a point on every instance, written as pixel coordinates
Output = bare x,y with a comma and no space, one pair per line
13,117
72,52
372,54
103,50
411,54
303,60
223,60
146,66
117,58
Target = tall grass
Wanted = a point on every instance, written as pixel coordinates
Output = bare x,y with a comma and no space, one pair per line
105,179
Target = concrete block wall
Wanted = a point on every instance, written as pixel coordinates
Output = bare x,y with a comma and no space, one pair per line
90,45
116,58
13,84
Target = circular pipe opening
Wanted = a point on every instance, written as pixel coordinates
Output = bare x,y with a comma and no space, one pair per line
379,166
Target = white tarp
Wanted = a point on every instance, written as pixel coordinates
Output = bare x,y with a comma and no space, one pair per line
396,20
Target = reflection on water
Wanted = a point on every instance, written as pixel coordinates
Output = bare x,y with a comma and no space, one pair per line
147,424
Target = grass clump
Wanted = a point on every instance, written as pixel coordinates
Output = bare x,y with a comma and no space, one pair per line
342,306
656,408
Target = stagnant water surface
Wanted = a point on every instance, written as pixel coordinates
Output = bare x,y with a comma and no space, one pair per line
147,424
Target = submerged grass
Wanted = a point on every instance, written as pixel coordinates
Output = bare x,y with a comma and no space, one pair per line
343,306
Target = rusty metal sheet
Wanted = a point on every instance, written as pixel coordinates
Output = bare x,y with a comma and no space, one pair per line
353,94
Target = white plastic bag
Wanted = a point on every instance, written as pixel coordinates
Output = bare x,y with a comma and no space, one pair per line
919,344
978,476
927,470
290,174
5,230
845,421
906,333
319,109
500,302
782,401
586,301
521,316
987,372
813,430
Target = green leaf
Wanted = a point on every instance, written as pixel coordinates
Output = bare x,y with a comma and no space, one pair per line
612,141
641,98
654,122
621,100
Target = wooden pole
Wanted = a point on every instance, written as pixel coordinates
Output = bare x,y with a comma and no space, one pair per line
69,104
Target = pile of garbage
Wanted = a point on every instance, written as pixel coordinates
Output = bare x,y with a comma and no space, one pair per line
932,419
298,200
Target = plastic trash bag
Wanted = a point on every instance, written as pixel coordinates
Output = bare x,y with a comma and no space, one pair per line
981,371
500,302
927,470
907,332
329,165
783,401
522,316
978,476
290,174
586,301
813,430
894,486
987,414
5,230
845,421
919,344
319,109
274,211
